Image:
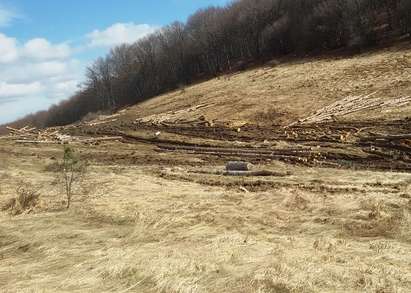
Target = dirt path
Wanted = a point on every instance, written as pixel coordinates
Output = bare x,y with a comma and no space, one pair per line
361,145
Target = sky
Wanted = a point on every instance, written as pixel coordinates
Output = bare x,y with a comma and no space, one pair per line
46,45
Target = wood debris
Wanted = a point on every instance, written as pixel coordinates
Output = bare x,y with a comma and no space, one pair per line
189,115
262,173
51,136
95,123
352,104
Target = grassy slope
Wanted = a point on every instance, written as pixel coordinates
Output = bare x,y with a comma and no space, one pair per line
287,91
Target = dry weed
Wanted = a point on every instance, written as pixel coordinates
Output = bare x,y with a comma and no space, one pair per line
295,201
26,200
379,221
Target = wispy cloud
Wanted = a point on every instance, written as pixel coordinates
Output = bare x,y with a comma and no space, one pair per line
7,16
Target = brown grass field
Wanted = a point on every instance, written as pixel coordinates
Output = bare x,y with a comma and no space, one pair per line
153,213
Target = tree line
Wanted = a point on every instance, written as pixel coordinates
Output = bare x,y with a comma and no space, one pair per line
216,40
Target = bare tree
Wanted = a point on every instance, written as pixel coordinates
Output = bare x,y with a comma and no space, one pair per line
404,13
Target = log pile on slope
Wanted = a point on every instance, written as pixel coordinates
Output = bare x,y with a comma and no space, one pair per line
190,115
104,119
353,104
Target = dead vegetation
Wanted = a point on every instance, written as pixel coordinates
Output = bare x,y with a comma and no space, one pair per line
28,135
26,199
378,220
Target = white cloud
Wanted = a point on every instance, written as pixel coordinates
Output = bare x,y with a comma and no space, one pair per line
8,49
38,73
34,50
119,33
6,16
41,49
34,75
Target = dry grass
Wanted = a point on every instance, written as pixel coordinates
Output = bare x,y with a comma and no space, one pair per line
318,230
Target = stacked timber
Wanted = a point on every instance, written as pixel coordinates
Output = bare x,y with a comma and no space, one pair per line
51,136
353,104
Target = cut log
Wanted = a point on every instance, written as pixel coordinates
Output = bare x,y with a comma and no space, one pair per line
238,166
255,173
14,129
38,141
97,139
244,189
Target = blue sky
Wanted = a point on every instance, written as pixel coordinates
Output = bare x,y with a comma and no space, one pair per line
45,45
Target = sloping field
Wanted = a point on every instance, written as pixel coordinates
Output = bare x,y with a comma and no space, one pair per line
285,91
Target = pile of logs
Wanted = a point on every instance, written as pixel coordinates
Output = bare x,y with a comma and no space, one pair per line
51,136
104,119
351,105
189,115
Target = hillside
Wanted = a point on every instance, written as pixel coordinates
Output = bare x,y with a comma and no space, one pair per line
220,39
320,112
285,91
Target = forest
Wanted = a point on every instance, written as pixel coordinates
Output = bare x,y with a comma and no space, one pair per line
219,40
